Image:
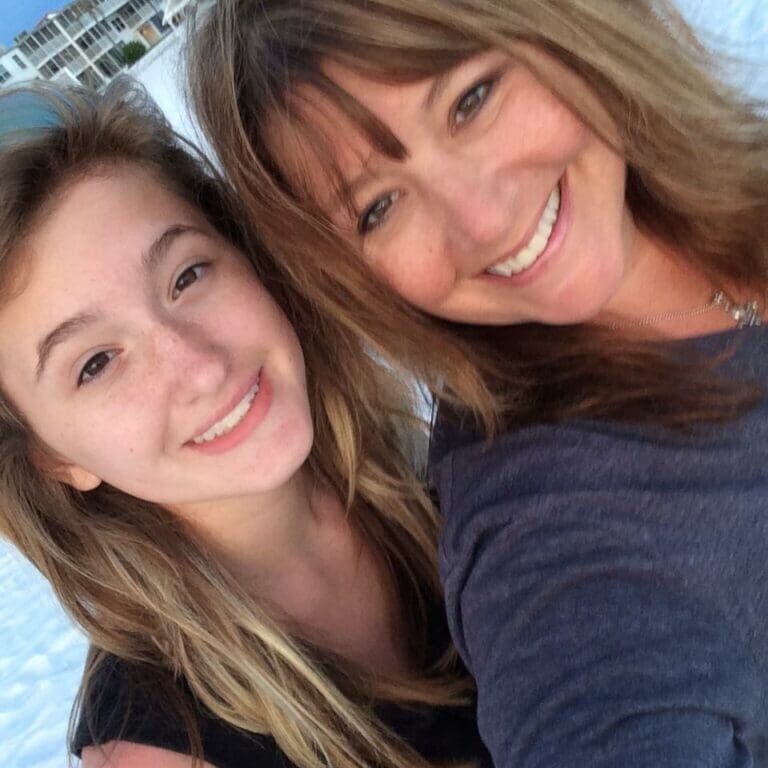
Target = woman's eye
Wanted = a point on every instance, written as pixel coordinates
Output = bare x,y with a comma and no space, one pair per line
93,368
470,103
186,278
376,213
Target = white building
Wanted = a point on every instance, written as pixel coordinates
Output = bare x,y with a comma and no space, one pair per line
15,67
83,41
175,11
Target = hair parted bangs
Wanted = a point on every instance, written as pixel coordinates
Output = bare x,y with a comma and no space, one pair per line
697,155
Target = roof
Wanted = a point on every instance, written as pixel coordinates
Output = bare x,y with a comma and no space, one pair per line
172,7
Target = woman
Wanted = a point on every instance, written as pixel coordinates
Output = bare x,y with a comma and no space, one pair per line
557,216
211,475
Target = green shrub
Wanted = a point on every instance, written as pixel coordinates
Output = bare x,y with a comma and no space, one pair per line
133,51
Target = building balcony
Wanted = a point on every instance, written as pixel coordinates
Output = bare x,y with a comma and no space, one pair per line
96,48
74,28
44,52
105,7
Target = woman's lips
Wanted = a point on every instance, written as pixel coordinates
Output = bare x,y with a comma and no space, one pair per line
557,230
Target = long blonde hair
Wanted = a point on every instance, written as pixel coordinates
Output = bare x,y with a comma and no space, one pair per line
697,155
127,571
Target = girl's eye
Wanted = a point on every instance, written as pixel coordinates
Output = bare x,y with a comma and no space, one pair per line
93,368
470,103
376,213
186,278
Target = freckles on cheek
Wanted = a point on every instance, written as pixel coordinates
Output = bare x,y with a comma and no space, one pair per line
423,280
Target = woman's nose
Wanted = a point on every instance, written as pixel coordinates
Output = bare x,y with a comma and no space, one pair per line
477,204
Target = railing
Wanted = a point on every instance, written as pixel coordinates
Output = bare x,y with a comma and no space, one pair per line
44,52
72,28
132,20
96,48
65,76
105,7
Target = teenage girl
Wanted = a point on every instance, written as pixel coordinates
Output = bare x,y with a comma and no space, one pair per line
212,475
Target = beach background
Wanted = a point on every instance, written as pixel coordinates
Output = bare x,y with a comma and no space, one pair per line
41,653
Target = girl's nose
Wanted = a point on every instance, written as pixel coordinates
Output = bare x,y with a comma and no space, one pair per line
196,365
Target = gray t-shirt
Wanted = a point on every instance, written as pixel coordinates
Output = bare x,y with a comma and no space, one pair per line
607,585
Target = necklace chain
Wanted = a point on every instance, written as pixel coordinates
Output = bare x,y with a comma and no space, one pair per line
743,315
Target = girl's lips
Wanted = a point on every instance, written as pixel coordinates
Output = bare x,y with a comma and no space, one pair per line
559,232
243,430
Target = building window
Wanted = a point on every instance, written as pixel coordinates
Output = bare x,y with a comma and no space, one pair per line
18,61
118,24
69,54
4,74
85,41
90,78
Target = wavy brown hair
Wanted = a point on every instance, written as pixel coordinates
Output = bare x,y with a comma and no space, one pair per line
697,155
128,572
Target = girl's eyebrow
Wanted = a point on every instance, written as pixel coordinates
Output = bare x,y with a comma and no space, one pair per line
58,335
159,249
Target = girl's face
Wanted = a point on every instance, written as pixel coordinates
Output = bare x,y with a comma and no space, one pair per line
144,353
506,209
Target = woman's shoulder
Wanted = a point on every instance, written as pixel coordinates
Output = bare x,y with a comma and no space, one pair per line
741,355
135,708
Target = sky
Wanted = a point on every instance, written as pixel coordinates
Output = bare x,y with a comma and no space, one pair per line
18,15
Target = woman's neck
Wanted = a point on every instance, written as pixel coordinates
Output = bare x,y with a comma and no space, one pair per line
665,296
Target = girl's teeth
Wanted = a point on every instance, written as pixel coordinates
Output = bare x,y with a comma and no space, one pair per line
231,420
538,243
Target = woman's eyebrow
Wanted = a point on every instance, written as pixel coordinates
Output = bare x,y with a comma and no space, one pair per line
437,87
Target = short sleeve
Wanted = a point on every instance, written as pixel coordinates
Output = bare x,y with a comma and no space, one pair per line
122,702
126,701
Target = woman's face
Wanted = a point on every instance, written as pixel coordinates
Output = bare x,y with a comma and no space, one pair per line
143,351
507,207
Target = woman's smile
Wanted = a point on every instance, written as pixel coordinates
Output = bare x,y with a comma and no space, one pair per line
549,234
503,206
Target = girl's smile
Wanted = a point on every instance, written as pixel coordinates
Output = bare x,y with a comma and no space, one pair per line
239,421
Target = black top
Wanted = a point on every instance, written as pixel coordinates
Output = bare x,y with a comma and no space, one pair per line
125,703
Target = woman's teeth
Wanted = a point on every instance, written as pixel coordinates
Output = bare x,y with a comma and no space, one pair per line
538,243
231,420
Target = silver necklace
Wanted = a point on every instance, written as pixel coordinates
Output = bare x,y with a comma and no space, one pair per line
743,315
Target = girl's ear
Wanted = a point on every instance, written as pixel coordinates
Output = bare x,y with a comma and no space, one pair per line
80,479
57,468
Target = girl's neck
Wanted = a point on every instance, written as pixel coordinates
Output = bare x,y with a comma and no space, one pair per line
298,552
